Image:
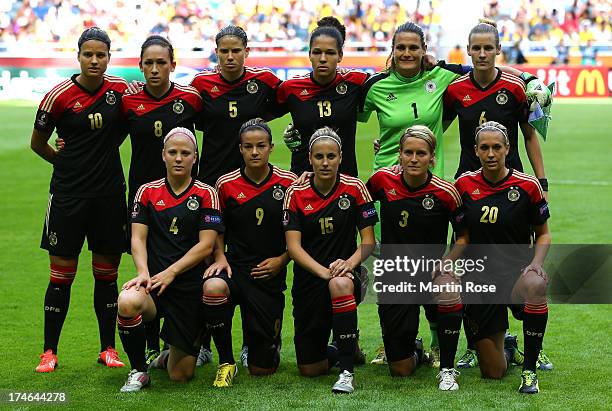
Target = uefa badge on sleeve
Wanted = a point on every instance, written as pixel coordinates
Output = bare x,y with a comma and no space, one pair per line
252,87
193,204
430,86
428,203
178,107
513,194
341,88
110,98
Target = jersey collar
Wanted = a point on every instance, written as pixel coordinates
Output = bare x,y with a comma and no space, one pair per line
238,80
92,93
173,194
415,189
166,94
500,182
331,192
253,183
330,84
407,79
491,84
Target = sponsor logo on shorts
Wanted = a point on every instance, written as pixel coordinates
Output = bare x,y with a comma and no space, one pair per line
53,238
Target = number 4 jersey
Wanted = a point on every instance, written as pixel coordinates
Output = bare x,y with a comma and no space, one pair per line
89,123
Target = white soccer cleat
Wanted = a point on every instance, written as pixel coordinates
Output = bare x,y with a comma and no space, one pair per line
244,356
205,356
136,381
448,379
344,385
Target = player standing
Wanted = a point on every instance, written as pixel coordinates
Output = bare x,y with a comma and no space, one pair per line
504,206
416,207
175,222
321,220
232,94
252,272
327,96
87,191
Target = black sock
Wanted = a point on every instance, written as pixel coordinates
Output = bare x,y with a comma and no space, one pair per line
105,304
449,327
219,323
132,334
152,333
535,317
57,300
206,336
470,344
344,323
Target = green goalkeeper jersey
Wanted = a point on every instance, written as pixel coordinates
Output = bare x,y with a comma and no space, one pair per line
401,102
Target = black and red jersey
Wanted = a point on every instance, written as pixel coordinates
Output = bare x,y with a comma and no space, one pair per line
90,124
328,223
504,212
174,222
503,100
313,106
227,105
415,215
252,213
149,119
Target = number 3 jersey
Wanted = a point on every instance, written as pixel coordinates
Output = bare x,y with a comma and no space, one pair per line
328,223
252,213
149,119
89,122
174,222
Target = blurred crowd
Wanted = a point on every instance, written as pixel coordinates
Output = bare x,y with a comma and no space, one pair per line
190,24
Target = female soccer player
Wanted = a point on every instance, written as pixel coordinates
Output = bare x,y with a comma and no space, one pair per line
232,94
488,94
321,219
503,206
416,207
327,96
252,272
175,222
87,191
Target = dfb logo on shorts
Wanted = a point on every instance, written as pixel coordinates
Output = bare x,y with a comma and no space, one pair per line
53,238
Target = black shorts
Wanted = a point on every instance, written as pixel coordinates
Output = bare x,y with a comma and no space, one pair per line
69,220
262,315
484,320
399,324
180,305
312,319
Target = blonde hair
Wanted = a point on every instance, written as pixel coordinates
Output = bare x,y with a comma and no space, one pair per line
181,131
422,132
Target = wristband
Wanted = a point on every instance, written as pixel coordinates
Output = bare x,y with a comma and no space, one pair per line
543,183
527,77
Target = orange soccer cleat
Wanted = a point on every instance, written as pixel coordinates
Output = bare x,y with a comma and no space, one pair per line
110,358
48,362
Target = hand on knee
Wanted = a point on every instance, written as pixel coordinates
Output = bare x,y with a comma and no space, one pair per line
216,286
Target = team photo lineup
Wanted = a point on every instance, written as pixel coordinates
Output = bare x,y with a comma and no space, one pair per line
209,223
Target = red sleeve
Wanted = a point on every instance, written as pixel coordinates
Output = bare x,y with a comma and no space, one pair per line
282,92
356,77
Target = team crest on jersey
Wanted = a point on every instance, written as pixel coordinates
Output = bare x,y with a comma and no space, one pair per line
430,86
178,107
193,204
513,194
501,98
110,98
252,87
344,203
278,194
428,203
341,88
53,238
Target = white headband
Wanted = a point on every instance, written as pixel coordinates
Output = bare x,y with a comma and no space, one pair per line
324,136
181,131
493,128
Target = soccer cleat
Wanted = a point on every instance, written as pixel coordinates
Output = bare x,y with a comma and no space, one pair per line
419,351
110,358
48,362
150,355
244,356
161,360
434,357
205,356
344,385
511,346
469,359
381,357
225,375
529,383
448,379
136,381
543,363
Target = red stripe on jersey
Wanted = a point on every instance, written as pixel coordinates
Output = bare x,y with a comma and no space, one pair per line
233,185
467,93
215,86
141,190
47,102
142,103
304,88
474,185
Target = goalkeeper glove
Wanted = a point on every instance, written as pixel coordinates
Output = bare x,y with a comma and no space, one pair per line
536,91
292,138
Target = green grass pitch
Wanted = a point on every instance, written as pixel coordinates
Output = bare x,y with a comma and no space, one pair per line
577,340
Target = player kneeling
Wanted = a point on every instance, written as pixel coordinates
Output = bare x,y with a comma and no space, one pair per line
175,222
321,220
503,206
253,270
